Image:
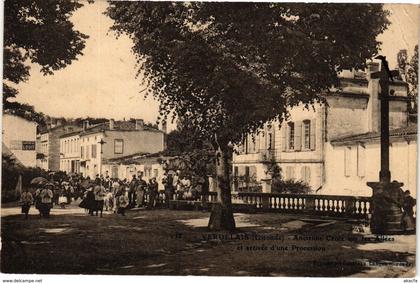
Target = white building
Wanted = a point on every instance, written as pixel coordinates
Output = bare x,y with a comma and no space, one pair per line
70,152
115,139
48,145
19,136
352,161
306,146
42,151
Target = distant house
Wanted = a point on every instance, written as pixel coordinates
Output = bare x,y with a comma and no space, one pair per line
48,145
307,146
19,136
150,165
115,139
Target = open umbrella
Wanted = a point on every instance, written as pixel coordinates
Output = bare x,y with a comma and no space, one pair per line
86,184
39,181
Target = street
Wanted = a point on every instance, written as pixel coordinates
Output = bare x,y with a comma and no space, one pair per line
162,242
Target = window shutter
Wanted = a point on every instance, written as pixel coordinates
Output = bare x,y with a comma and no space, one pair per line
298,135
360,161
273,139
302,173
283,137
347,161
257,143
313,134
308,174
288,172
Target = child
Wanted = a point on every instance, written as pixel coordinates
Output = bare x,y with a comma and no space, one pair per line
122,201
26,200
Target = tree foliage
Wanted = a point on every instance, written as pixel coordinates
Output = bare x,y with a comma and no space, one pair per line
37,32
230,67
197,153
409,72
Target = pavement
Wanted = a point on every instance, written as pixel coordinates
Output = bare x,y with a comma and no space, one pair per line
165,242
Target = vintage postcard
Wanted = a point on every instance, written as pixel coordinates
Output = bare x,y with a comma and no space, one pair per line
265,139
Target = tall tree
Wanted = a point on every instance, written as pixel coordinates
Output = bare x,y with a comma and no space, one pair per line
39,32
409,70
230,67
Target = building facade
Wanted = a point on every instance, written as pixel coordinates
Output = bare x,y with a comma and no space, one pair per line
19,136
48,146
302,145
114,139
354,160
70,152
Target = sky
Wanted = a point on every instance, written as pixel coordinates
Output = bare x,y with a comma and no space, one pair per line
102,82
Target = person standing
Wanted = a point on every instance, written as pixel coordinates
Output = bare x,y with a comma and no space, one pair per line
100,193
408,203
153,191
167,182
46,195
131,191
26,200
38,203
122,202
90,200
140,191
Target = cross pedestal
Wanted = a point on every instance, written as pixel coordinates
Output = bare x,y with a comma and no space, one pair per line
387,197
386,204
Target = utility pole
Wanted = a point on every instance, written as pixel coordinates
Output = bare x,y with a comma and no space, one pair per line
101,143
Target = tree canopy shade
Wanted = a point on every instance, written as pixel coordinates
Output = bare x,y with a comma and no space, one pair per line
40,32
228,68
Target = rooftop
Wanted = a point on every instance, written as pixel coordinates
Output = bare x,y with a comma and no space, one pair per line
409,131
139,158
118,126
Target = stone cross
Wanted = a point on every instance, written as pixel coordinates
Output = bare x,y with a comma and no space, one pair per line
384,75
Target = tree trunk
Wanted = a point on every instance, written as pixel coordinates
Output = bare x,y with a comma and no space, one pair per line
221,217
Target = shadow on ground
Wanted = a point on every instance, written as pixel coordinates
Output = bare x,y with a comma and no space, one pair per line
165,242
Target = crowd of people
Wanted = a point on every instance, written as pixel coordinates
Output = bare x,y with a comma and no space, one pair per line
111,194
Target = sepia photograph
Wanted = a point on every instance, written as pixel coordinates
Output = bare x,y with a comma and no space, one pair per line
243,139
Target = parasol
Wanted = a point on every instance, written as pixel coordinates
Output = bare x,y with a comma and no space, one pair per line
39,181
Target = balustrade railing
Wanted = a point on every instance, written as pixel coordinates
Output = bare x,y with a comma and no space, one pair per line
329,205
333,205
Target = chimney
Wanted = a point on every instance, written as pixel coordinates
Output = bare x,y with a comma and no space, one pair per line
372,68
85,125
139,124
111,124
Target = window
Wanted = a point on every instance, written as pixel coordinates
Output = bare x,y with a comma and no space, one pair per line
291,135
93,150
306,174
118,146
347,161
290,173
306,134
82,152
251,144
270,141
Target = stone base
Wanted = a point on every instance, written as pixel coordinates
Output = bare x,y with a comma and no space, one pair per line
386,205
